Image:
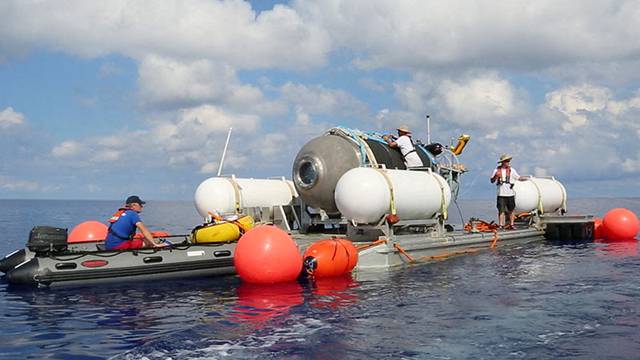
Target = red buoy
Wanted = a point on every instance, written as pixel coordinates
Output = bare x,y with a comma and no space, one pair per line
598,229
88,231
267,255
620,224
330,257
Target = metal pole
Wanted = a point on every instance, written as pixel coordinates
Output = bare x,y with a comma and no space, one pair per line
224,152
428,129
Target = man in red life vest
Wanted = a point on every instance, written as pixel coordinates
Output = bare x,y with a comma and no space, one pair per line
123,225
505,177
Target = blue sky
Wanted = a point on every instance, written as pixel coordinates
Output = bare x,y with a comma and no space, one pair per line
102,99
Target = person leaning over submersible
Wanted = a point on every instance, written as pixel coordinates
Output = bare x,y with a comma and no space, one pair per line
505,177
123,225
405,144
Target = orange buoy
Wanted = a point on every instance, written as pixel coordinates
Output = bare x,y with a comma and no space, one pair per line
598,229
267,255
88,231
620,224
330,257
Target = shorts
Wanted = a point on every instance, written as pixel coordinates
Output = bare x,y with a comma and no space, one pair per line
130,244
506,204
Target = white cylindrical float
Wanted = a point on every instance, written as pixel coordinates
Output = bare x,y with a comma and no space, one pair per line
543,194
226,195
365,195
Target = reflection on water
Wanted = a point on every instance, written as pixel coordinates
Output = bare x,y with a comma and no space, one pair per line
258,303
621,248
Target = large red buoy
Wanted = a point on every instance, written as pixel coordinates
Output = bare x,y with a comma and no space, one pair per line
330,257
598,229
620,224
88,231
267,255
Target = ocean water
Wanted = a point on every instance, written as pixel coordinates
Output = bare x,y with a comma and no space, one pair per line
542,300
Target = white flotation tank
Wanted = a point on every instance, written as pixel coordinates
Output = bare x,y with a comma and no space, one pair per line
364,195
224,195
543,194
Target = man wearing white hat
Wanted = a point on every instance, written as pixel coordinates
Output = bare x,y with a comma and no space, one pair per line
405,144
505,177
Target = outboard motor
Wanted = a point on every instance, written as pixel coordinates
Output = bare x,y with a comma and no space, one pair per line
47,239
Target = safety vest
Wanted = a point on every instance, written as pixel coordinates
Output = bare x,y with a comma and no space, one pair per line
507,176
115,217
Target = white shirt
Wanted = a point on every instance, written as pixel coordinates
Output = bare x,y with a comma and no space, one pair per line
504,187
411,158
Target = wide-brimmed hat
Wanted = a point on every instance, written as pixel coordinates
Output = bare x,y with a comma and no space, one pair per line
504,157
134,199
404,128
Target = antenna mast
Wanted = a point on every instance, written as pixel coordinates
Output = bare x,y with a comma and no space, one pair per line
224,152
428,129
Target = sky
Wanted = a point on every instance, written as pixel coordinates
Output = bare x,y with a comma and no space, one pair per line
103,99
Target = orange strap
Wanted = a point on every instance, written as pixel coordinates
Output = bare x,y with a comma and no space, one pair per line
480,226
403,252
495,239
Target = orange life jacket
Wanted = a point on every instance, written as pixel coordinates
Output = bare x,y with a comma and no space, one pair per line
507,176
117,215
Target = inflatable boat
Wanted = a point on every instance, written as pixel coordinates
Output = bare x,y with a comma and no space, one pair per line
49,260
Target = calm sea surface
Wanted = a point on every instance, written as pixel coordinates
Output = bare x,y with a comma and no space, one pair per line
534,301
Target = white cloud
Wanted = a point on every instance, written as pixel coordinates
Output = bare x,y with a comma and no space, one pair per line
10,118
223,31
68,149
516,34
479,99
575,101
320,100
13,184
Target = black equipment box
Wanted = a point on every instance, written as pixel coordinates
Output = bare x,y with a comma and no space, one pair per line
44,239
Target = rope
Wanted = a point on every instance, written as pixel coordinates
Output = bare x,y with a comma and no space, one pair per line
403,252
540,207
564,194
443,208
236,190
495,239
392,202
448,255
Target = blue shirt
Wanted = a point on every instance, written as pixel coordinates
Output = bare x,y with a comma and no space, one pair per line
122,229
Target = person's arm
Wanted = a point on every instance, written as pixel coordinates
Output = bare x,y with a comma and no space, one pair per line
390,142
494,175
148,238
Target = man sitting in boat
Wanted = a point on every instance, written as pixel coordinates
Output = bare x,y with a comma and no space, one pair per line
405,144
123,225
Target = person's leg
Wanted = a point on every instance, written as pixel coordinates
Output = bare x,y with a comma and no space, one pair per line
511,206
131,244
501,208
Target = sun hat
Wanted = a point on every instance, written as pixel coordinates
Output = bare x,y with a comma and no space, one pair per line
134,199
404,128
504,157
